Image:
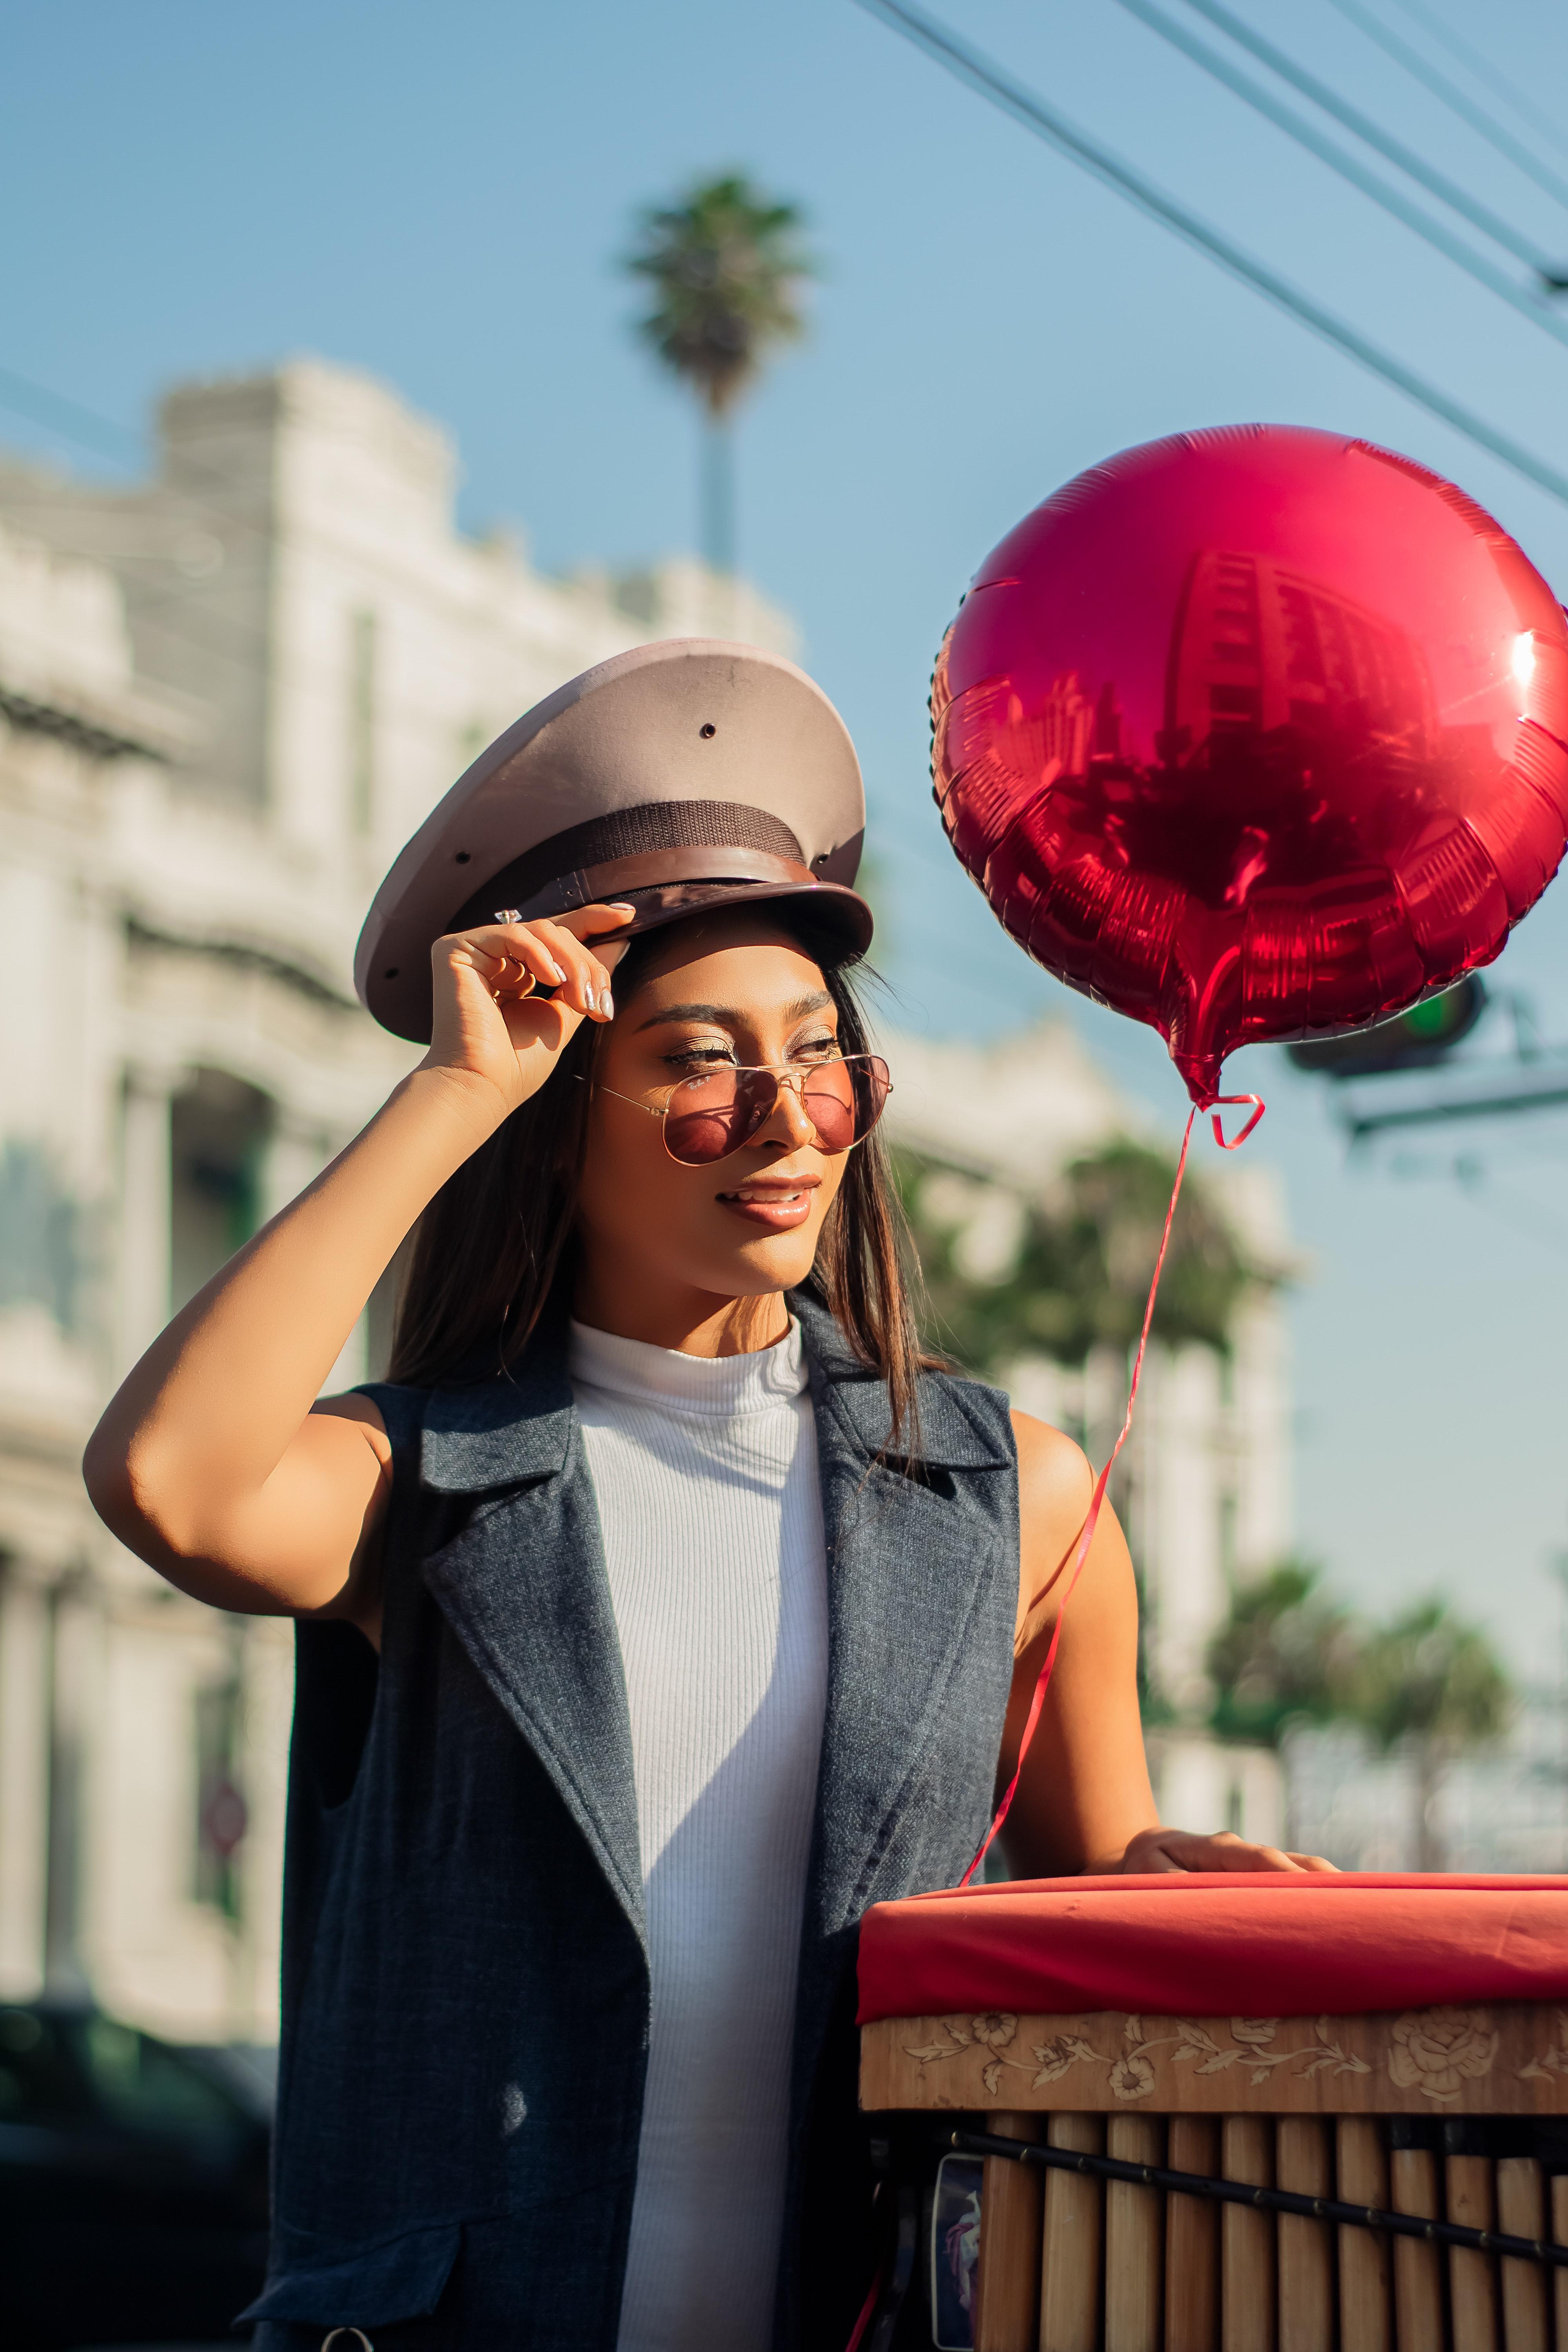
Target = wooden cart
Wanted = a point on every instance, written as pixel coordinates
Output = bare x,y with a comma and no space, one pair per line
1447,2124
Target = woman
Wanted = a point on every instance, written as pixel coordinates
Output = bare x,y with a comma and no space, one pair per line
666,1607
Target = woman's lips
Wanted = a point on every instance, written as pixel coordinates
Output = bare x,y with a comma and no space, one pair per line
776,1207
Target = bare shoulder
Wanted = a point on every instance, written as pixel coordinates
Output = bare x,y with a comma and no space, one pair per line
364,1415
1055,1484
1055,1481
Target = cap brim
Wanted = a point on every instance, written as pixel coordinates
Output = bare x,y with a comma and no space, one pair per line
842,914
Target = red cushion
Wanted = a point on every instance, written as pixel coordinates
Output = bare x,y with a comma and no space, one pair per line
1217,1944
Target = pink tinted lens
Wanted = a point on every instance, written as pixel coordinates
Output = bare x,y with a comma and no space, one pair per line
710,1117
873,1083
829,1100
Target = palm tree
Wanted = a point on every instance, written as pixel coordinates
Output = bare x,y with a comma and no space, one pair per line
1286,1654
1432,1680
726,268
1289,1655
1081,1277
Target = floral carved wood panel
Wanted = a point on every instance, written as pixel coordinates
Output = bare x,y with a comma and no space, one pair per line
1510,2058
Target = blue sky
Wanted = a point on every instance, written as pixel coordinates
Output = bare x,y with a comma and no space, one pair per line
440,195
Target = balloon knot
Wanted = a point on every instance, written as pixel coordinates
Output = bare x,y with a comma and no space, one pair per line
1213,1103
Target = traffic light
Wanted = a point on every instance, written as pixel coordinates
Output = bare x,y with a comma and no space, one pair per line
1411,1041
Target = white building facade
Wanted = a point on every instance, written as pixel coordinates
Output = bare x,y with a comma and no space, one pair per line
1205,1481
226,697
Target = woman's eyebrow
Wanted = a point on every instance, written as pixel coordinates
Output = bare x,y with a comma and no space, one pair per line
731,1016
725,1016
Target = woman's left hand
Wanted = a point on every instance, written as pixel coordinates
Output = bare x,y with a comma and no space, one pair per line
1162,1849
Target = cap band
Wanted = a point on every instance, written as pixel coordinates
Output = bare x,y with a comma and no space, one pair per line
587,886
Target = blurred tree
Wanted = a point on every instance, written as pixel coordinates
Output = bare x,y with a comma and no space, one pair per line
1079,1275
726,268
1432,1680
1285,1654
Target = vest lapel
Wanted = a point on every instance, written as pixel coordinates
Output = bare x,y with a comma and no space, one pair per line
524,1588
904,1579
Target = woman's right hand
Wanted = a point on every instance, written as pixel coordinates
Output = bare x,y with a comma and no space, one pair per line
214,1461
488,1023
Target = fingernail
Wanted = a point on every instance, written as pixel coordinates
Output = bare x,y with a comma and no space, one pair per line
606,1004
620,906
556,974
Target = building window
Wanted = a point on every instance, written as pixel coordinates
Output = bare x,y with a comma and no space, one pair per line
219,1134
221,1818
361,722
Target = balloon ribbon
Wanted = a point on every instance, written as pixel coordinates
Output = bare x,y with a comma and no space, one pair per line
868,2313
1086,1536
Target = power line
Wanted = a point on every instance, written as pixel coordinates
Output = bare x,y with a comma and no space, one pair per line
981,74
1295,127
229,636
1394,150
1476,1183
1484,71
1453,97
67,417
172,613
30,398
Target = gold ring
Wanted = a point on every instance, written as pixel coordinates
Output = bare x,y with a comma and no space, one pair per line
516,994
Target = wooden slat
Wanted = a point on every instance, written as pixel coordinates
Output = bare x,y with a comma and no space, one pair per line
1247,2240
1472,2283
1192,2241
1306,2250
1560,2276
1134,2239
1510,2058
1366,2284
1473,2287
1417,2267
1521,2212
1070,2264
1006,2317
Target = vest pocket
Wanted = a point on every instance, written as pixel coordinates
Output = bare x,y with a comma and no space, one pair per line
339,2283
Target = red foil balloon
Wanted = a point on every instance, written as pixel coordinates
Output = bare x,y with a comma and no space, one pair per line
1256,733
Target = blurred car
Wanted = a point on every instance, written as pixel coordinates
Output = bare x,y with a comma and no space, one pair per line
132,2183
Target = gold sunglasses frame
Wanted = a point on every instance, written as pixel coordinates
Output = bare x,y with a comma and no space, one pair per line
780,1071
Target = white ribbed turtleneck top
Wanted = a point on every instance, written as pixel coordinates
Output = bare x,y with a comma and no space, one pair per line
704,1470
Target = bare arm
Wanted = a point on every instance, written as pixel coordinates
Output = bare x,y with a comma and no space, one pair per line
213,1461
1084,1802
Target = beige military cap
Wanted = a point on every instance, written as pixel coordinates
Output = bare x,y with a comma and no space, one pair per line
688,774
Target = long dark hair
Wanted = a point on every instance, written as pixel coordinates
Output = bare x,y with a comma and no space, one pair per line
498,1242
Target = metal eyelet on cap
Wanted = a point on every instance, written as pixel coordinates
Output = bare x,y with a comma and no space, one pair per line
332,2334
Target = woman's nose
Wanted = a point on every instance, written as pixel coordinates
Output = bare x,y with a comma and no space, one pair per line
789,1121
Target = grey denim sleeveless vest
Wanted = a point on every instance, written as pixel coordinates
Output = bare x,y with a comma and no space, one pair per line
465,1977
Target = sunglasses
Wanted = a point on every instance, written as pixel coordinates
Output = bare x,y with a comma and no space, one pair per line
708,1117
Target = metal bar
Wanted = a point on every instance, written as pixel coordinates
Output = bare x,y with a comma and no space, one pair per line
1272,2201
1361,1123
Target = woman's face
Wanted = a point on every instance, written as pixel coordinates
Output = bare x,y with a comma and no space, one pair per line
737,991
